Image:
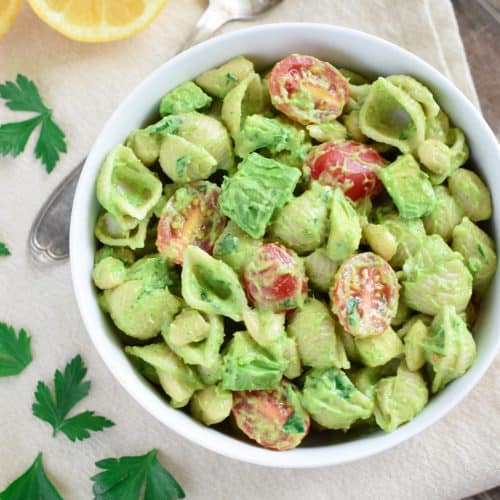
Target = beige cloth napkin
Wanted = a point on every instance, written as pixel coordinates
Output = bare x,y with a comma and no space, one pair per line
84,83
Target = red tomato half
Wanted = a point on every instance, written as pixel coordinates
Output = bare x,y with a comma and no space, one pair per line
349,166
275,278
308,90
365,295
271,418
190,217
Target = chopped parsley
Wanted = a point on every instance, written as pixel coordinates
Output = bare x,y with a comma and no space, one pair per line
408,131
231,78
481,250
226,245
181,165
294,425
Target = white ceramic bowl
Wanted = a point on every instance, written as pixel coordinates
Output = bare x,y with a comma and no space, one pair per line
265,45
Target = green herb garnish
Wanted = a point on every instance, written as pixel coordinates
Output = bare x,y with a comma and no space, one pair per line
126,477
4,251
15,354
181,165
33,484
23,95
408,131
69,390
294,425
226,245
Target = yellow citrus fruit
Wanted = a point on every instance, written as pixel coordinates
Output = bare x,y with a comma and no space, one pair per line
97,20
8,12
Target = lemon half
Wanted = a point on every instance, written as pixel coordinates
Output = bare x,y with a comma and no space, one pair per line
8,12
98,20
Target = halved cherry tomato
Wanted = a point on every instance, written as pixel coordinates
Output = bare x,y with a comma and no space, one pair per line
308,90
365,295
190,217
271,417
349,166
275,278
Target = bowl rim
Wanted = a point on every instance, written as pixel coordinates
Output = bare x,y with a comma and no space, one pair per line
139,389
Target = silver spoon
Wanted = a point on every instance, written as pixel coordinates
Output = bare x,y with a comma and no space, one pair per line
49,235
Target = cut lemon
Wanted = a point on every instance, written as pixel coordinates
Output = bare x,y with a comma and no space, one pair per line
8,12
97,20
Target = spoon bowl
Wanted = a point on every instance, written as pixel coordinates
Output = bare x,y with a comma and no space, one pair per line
244,9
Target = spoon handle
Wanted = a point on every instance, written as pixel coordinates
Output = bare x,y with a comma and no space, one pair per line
211,20
48,240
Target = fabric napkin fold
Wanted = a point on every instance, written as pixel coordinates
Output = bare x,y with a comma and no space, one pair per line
456,457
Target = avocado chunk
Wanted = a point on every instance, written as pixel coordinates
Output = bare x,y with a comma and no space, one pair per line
400,398
258,188
248,366
389,115
449,347
218,82
332,399
409,187
183,99
211,286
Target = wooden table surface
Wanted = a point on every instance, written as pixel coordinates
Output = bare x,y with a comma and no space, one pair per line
481,36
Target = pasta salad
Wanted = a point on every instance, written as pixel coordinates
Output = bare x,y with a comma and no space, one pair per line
294,249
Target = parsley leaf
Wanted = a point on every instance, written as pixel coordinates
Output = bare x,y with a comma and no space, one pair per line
4,251
69,390
23,95
123,479
294,425
15,354
32,484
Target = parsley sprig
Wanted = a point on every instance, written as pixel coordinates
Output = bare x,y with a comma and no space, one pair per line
124,478
34,483
23,95
69,390
4,251
15,353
